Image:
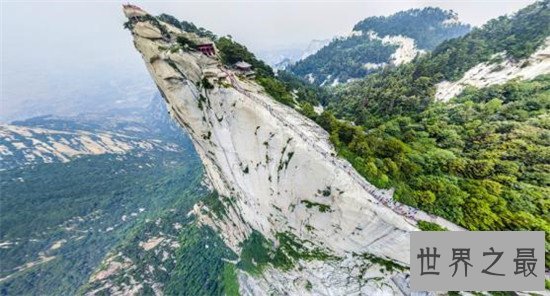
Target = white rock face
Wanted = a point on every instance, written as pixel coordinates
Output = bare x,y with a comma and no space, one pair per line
346,277
276,172
405,52
148,31
486,74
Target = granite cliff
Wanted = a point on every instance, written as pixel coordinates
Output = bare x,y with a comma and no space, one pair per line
277,174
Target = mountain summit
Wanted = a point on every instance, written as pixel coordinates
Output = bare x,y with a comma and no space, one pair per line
379,41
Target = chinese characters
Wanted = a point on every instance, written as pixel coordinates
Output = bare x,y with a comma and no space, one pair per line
477,261
525,261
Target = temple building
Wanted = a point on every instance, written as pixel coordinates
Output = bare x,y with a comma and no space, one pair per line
207,48
244,68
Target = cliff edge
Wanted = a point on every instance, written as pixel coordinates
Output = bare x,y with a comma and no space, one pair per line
277,174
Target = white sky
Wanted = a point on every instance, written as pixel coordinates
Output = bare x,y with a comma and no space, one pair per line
261,25
266,24
44,41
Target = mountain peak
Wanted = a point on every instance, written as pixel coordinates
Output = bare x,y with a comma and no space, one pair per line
276,175
378,41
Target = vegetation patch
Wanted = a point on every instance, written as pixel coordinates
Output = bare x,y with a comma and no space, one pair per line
207,135
206,83
430,226
215,204
257,252
276,89
187,26
186,42
294,248
232,52
326,192
309,286
230,282
150,19
386,264
283,163
201,262
323,208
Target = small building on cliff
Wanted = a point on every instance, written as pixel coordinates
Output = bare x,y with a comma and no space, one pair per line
244,68
207,49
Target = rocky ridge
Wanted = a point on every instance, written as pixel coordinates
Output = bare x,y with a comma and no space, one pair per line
486,74
276,172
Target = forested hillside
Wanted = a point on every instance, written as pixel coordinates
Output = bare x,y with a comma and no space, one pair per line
479,160
374,44
410,88
60,219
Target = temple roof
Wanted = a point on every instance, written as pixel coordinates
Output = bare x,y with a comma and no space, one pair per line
242,64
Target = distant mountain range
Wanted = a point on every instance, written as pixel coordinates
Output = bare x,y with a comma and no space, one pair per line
70,91
27,145
48,139
379,41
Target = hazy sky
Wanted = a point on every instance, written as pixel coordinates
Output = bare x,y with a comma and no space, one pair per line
259,24
47,43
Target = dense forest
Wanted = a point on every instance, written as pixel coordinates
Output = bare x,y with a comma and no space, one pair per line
516,37
191,260
479,160
59,220
62,218
345,58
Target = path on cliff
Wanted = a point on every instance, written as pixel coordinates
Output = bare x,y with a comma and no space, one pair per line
381,196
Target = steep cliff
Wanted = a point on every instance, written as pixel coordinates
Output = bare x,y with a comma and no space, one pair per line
277,176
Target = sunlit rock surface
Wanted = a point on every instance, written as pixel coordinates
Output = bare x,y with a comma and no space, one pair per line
486,74
276,171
